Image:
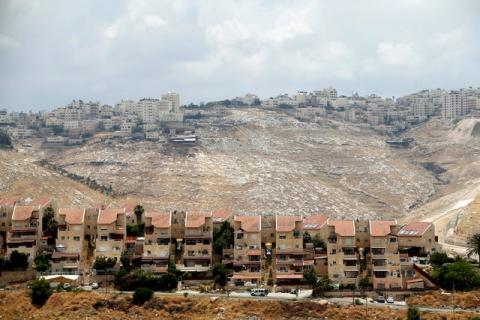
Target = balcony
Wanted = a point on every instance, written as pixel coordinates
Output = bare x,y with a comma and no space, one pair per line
30,228
351,268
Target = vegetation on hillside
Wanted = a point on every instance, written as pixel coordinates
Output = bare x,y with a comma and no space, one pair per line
104,264
40,292
473,244
16,261
5,140
142,295
458,275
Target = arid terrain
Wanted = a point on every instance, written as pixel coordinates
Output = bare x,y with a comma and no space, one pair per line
262,162
16,305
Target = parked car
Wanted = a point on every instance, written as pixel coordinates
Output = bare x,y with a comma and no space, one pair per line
390,299
381,299
95,285
67,286
259,292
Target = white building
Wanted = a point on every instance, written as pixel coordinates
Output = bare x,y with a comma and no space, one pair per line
174,98
454,105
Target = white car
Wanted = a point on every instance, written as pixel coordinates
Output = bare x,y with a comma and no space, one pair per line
259,292
66,286
95,285
390,300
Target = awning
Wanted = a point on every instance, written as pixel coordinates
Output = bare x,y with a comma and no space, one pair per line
289,276
308,262
414,280
246,276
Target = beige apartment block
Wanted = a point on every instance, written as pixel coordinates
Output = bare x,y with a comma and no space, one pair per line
316,226
384,255
69,246
247,261
219,216
91,219
417,239
111,233
157,246
197,250
26,230
131,217
6,212
288,255
343,266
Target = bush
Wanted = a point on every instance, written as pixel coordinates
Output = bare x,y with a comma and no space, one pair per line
130,281
438,259
310,277
104,263
18,261
413,313
40,292
5,139
42,263
99,304
142,295
461,273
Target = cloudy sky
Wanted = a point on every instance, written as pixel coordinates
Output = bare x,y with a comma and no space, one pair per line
54,51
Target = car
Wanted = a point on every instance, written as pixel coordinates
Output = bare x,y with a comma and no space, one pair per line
67,286
95,285
381,299
390,299
259,292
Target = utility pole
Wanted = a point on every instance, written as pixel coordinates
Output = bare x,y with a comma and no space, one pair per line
453,300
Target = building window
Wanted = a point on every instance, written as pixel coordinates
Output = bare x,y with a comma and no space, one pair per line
393,239
282,236
76,238
239,235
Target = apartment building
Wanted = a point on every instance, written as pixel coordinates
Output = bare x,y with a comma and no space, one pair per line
316,227
69,245
219,216
342,250
6,212
417,240
174,99
26,230
157,246
111,233
248,253
288,257
197,249
454,105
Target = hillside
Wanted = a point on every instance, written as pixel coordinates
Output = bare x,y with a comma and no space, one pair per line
16,305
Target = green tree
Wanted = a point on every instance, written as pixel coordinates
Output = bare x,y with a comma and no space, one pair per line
223,237
310,277
5,139
307,238
461,274
40,292
219,274
473,244
49,224
126,261
364,283
142,295
103,263
18,261
319,242
139,210
413,313
438,259
323,285
42,263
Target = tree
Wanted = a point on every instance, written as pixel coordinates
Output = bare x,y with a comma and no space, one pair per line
310,277
5,139
461,274
307,238
319,242
104,263
438,259
18,260
219,274
126,261
139,210
49,224
473,244
142,295
323,285
223,237
413,313
40,292
41,263
364,283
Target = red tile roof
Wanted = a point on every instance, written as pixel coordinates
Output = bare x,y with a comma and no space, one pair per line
380,228
72,215
286,223
129,206
249,223
9,202
195,219
220,215
40,202
108,216
21,213
161,219
314,222
344,228
414,228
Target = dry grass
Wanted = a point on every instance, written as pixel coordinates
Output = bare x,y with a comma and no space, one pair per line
436,299
16,305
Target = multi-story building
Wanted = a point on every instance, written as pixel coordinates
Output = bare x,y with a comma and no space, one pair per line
69,245
174,99
417,240
289,249
454,105
316,227
247,260
157,246
111,233
6,212
26,231
343,267
197,250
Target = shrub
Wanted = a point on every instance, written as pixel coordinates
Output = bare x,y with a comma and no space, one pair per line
413,313
5,139
18,260
41,291
438,259
310,277
461,273
142,295
358,302
99,304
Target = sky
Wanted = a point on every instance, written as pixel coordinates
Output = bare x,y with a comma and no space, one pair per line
54,51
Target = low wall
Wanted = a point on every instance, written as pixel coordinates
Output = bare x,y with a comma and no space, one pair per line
10,277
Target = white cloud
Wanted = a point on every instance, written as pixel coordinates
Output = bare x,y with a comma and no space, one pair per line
154,21
402,54
111,32
7,42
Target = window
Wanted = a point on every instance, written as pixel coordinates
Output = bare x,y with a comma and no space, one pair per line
393,239
3,224
282,236
103,238
76,238
239,235
149,252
